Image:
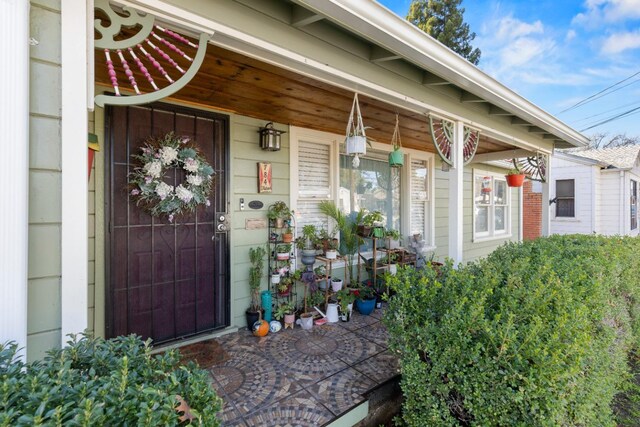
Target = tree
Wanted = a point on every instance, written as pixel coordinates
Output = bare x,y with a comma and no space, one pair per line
443,20
603,140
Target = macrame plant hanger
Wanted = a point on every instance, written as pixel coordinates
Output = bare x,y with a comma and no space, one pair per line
396,157
356,139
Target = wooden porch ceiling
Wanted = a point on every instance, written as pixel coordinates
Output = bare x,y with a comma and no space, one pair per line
232,82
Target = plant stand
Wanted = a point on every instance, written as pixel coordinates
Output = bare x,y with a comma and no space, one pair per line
328,270
276,231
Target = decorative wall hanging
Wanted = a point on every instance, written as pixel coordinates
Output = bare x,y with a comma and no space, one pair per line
147,184
156,51
356,138
442,135
264,178
396,157
535,167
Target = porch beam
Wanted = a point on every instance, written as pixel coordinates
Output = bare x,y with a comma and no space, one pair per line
550,137
14,172
456,188
502,155
301,17
469,97
429,79
379,54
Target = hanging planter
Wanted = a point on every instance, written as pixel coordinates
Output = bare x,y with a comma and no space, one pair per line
356,139
396,157
515,178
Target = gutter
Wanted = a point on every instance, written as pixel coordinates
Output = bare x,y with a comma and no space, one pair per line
381,26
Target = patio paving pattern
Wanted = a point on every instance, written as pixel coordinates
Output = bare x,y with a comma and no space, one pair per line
297,377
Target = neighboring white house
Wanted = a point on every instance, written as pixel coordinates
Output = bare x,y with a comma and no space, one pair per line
595,191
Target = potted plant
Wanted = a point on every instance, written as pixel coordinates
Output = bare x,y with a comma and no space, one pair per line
279,212
287,236
321,276
366,299
336,284
355,137
515,177
287,313
282,251
345,301
348,227
308,243
372,223
284,287
393,238
332,249
392,259
275,278
396,157
256,257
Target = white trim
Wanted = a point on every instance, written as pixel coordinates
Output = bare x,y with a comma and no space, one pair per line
74,129
490,234
245,44
456,196
520,214
14,172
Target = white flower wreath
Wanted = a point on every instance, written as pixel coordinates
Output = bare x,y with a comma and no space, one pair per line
152,193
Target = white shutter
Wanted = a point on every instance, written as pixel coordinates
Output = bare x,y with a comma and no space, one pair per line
419,196
314,182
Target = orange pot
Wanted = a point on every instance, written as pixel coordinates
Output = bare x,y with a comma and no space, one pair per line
515,180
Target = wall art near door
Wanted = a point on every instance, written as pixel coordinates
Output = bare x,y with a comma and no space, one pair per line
264,178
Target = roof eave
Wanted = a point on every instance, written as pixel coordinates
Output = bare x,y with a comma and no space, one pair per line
375,22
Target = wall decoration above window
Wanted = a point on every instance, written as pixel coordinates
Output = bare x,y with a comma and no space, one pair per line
147,183
162,57
442,135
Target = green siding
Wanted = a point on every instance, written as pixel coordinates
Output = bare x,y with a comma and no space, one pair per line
44,322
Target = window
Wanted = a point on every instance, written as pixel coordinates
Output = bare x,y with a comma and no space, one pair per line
565,198
323,173
634,204
491,213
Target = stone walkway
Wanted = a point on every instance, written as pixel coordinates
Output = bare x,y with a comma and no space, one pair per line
297,377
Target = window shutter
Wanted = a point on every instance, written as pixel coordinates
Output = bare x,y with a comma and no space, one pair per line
314,181
419,196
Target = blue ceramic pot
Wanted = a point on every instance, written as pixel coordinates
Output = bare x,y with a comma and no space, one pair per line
366,306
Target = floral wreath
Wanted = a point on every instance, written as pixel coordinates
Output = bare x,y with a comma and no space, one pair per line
153,194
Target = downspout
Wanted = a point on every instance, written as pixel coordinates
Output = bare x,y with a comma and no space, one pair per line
14,172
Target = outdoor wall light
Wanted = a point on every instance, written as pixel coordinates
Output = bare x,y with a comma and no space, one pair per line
270,137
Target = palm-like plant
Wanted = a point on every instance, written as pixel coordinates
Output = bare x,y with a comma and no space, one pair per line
349,239
256,256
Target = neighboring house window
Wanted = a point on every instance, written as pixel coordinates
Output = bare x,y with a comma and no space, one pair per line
323,173
492,210
634,204
565,198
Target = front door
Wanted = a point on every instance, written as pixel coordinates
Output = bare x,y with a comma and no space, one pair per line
166,280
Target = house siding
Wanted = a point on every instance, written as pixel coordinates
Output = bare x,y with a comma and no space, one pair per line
610,203
44,317
583,222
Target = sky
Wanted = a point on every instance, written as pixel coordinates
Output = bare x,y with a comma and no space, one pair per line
557,53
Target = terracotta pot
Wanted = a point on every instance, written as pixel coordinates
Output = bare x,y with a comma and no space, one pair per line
515,180
289,318
287,237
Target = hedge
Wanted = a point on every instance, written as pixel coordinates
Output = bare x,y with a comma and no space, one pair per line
96,382
539,333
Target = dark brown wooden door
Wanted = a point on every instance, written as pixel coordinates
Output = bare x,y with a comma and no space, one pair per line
165,280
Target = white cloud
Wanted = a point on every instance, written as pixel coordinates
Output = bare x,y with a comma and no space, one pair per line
607,11
571,34
510,28
620,42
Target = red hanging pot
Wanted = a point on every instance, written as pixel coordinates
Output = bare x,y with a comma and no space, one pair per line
515,180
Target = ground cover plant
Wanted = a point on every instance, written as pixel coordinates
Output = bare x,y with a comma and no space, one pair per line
539,333
96,382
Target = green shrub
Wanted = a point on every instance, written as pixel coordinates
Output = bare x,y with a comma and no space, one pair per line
96,382
537,334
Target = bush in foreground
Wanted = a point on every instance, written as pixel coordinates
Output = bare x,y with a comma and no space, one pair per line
537,334
96,382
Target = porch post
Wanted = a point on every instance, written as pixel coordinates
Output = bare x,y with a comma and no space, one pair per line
545,230
14,171
74,250
456,177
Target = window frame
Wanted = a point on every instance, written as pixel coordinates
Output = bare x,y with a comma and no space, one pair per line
336,143
491,233
555,211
